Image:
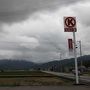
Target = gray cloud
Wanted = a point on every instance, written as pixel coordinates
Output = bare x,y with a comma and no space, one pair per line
18,10
83,14
41,39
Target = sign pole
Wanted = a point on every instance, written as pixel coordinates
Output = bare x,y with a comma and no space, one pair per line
75,56
70,26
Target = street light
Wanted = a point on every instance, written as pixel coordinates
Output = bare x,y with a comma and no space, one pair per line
60,60
60,57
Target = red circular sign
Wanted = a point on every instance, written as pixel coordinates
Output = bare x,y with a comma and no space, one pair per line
70,22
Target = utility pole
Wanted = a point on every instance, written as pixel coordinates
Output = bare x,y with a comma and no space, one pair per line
80,47
75,56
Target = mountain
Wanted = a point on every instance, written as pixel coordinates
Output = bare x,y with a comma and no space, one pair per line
56,65
66,64
16,64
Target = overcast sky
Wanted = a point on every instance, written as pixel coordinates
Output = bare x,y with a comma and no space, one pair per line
33,29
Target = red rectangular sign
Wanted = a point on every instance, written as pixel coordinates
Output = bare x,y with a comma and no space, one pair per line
70,44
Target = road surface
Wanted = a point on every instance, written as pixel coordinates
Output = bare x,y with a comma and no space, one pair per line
46,88
70,76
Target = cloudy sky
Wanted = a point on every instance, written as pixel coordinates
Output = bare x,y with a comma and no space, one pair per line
33,29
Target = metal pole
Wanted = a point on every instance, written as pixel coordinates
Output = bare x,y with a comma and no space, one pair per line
61,61
75,56
80,52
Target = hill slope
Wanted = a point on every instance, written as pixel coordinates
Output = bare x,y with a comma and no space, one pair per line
53,65
16,64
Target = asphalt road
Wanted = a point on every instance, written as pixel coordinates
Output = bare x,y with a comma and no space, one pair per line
70,76
47,88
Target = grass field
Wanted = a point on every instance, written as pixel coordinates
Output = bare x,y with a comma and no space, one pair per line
30,78
17,74
87,74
